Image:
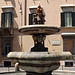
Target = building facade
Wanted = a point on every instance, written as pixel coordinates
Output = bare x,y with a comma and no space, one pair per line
17,13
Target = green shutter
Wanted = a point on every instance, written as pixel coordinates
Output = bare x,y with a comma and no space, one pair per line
73,18
62,20
11,23
30,19
3,20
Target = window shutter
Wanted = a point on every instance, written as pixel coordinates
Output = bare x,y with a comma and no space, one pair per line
11,15
73,18
30,19
62,20
3,20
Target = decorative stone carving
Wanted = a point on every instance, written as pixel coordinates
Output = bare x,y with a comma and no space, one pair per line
38,18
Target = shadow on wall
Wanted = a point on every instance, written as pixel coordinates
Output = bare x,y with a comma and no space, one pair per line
48,1
16,41
15,24
14,21
12,1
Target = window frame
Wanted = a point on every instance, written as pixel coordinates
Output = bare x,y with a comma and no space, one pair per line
63,19
67,17
4,22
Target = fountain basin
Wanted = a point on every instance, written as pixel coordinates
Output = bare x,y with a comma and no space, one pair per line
39,62
38,29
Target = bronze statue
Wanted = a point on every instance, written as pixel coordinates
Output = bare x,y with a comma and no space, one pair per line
39,16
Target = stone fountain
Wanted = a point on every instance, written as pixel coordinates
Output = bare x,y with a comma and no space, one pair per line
39,61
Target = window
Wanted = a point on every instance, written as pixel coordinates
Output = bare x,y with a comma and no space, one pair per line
32,11
7,48
67,19
30,19
6,19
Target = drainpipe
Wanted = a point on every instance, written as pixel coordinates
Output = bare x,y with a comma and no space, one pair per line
21,20
21,23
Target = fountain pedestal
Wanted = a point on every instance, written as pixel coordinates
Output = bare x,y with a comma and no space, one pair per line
39,61
39,43
47,73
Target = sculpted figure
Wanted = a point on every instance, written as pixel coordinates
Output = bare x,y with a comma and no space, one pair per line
39,16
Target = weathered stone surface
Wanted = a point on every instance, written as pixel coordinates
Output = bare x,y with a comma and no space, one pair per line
40,69
39,62
38,29
53,56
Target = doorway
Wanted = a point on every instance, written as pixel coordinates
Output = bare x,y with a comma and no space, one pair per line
6,45
69,45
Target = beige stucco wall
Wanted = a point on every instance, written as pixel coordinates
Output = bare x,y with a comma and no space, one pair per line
52,9
0,52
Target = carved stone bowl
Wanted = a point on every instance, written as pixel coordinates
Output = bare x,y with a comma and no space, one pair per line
38,29
39,62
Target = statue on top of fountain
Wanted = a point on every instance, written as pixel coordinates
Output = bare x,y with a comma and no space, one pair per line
38,18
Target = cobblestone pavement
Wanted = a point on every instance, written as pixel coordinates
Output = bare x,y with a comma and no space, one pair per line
6,69
66,69
12,69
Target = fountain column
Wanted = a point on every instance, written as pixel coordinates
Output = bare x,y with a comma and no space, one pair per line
39,43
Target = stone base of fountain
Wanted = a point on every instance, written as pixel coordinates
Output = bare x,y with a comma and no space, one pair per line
39,62
33,73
